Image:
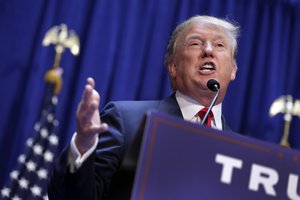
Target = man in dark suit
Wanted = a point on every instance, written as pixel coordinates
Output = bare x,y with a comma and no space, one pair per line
200,49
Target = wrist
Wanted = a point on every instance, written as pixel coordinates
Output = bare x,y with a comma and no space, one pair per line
84,143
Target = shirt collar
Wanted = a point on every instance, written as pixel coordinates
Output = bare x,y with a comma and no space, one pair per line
190,107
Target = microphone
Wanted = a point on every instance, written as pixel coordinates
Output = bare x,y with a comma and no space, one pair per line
214,86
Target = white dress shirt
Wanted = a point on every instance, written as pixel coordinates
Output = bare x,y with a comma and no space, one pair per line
190,107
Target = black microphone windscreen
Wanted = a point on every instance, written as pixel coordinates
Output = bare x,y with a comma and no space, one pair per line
213,85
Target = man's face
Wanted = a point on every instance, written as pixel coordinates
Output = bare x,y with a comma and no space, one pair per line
202,52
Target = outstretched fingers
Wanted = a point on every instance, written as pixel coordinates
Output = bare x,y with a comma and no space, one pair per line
88,114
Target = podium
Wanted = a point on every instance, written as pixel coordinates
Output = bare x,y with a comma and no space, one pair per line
179,160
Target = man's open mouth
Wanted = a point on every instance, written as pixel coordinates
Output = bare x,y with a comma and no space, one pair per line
207,68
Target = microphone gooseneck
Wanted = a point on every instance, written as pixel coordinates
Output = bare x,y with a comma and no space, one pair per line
214,86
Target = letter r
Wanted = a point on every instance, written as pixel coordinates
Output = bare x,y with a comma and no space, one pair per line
265,176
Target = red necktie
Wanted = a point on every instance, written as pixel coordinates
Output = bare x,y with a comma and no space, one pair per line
210,116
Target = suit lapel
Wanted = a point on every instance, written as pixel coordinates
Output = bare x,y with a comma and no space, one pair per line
170,106
225,126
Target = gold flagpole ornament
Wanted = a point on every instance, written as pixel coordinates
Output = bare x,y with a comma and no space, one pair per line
290,108
62,38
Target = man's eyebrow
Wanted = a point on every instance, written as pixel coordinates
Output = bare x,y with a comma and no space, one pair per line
198,37
193,36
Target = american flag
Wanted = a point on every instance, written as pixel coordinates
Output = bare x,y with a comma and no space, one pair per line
30,179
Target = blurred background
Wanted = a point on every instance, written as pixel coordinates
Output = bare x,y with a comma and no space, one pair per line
123,43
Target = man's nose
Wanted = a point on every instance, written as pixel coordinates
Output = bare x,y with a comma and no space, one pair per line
207,50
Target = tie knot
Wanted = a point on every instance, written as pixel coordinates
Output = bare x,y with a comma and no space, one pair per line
210,116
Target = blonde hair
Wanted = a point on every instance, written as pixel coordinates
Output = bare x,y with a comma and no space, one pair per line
231,30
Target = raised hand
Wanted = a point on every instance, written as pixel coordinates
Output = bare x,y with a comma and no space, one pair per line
88,118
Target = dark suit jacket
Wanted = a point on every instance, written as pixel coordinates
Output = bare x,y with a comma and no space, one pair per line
93,178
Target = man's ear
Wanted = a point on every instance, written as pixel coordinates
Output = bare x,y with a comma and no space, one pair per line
233,73
172,70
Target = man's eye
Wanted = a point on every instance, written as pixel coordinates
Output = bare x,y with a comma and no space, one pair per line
195,44
220,45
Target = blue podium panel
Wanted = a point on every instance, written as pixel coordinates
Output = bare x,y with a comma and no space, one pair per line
180,160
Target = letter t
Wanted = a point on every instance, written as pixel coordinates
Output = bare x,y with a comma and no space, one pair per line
229,163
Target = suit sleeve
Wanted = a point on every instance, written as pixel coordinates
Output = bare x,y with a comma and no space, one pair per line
91,181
